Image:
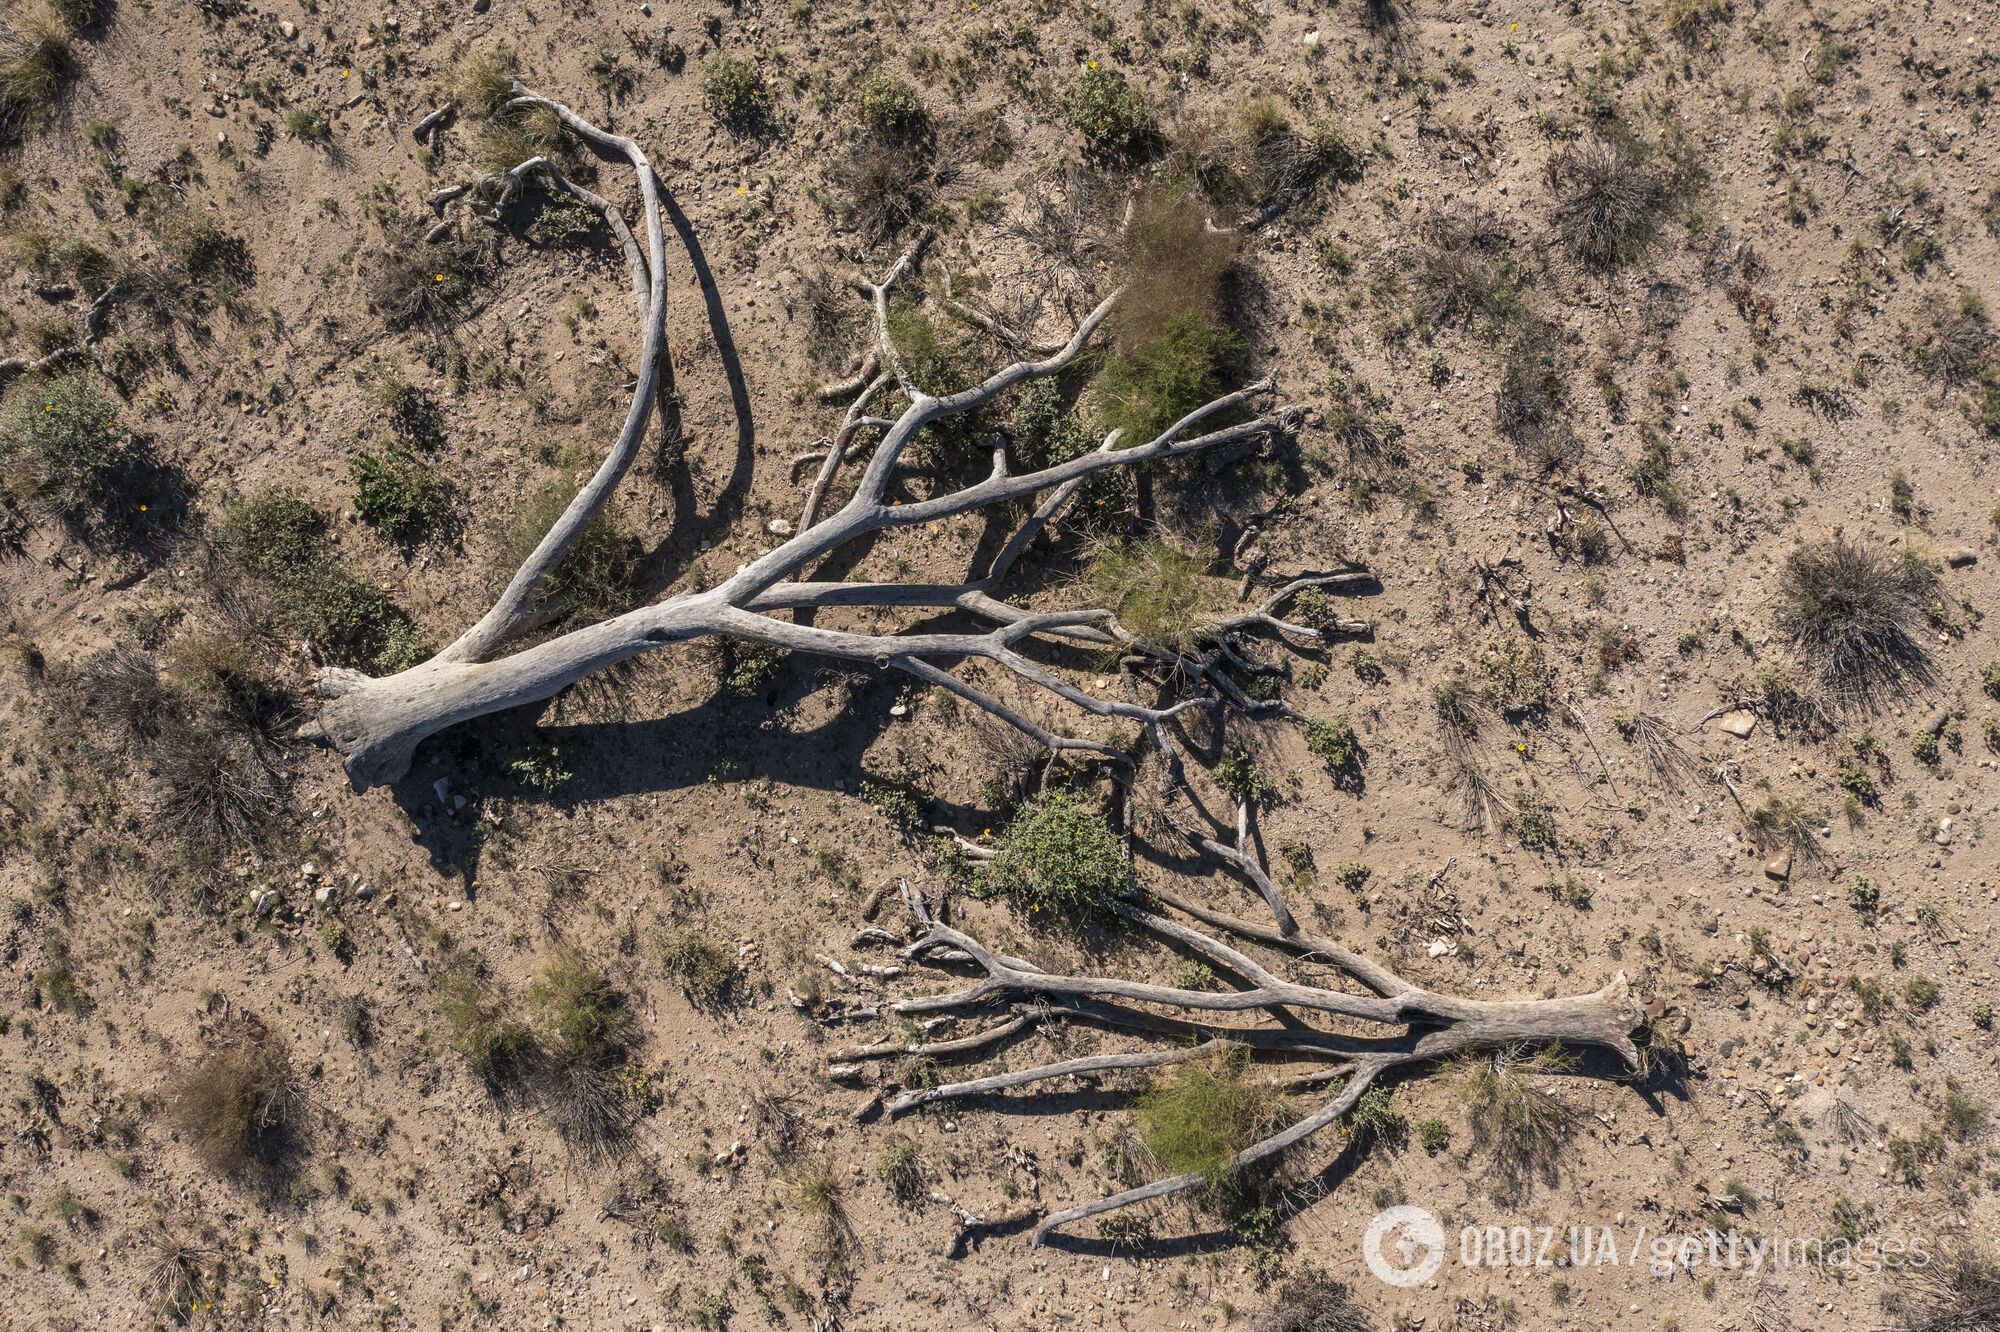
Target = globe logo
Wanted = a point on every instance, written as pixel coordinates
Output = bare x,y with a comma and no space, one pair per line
1403,1246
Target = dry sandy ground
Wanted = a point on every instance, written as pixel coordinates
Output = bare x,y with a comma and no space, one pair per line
1775,306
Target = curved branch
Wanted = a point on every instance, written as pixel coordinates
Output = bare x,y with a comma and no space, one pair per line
516,607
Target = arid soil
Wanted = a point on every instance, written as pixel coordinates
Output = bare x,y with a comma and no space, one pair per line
1576,476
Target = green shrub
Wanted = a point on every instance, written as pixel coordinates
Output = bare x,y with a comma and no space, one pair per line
582,1018
308,126
1333,742
403,497
1921,993
890,107
597,575
733,91
1148,388
1159,593
1374,1120
1199,1118
1532,820
35,64
1174,263
283,538
1110,114
479,1025
1061,861
700,966
61,446
1240,777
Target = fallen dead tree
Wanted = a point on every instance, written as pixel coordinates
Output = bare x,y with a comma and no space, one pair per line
377,723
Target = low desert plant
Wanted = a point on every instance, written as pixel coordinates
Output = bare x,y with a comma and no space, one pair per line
734,91
1199,1118
1959,1291
1522,1125
282,538
1313,1301
1110,114
890,107
701,967
595,577
1532,406
35,64
402,496
1607,200
1854,615
61,444
1159,592
1061,861
239,1105
1147,388
479,1024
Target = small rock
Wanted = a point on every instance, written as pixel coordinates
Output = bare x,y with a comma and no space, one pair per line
778,527
1961,556
1943,834
1779,867
481,6
899,710
1739,723
289,29
1443,947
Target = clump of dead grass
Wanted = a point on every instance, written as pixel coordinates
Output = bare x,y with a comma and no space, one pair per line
1852,615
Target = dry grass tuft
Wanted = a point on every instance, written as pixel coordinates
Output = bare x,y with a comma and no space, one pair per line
1608,201
1852,615
240,1106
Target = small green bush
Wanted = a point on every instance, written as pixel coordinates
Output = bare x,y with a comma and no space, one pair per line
595,578
733,91
35,64
282,537
478,1024
1921,994
890,107
61,445
1197,1120
700,966
1145,390
1532,820
1240,777
403,497
1110,114
1159,593
582,1018
1373,1120
308,126
1061,861
1333,742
